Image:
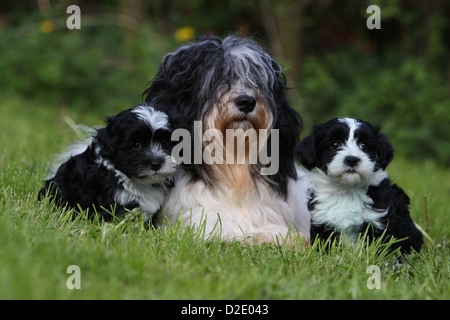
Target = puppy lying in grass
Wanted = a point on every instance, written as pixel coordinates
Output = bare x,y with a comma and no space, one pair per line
125,164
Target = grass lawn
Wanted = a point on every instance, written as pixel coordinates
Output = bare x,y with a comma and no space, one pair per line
122,260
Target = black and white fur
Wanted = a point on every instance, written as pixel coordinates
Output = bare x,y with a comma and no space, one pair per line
350,189
232,83
124,165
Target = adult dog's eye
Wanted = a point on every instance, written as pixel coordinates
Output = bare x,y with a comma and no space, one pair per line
335,145
136,145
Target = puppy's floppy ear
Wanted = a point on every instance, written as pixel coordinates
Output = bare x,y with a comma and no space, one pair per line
108,138
385,151
305,152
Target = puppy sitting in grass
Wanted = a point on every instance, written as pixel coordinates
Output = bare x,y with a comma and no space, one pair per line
350,189
126,164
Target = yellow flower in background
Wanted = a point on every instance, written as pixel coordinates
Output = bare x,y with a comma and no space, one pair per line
47,26
184,34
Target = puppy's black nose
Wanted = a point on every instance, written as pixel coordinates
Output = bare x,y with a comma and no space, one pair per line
245,103
156,163
351,161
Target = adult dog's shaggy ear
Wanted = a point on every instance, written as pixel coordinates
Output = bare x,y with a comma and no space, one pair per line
108,138
305,152
385,151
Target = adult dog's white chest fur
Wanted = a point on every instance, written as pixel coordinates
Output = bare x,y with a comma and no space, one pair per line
259,214
344,209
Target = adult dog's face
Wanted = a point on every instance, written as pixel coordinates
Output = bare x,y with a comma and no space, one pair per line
347,150
239,108
137,142
225,84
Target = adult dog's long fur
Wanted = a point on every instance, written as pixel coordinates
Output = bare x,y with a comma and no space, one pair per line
232,84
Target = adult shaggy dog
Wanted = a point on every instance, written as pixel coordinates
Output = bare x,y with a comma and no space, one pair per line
350,189
215,88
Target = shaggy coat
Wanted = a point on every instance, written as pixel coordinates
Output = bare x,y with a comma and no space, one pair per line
124,165
233,84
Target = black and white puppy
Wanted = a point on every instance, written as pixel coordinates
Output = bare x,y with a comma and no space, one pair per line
232,86
125,164
350,189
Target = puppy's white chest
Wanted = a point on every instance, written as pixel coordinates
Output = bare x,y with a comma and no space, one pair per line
344,210
148,197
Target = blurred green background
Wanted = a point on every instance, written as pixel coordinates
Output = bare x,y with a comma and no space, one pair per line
397,76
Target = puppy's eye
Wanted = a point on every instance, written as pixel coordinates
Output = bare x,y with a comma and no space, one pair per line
335,145
362,146
136,145
163,137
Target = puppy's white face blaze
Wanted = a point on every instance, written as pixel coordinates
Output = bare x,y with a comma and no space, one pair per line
350,165
155,119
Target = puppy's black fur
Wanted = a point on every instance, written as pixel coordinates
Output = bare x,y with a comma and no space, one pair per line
126,164
82,183
334,142
398,222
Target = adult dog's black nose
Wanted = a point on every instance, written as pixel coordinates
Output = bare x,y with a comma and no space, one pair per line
351,161
245,103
